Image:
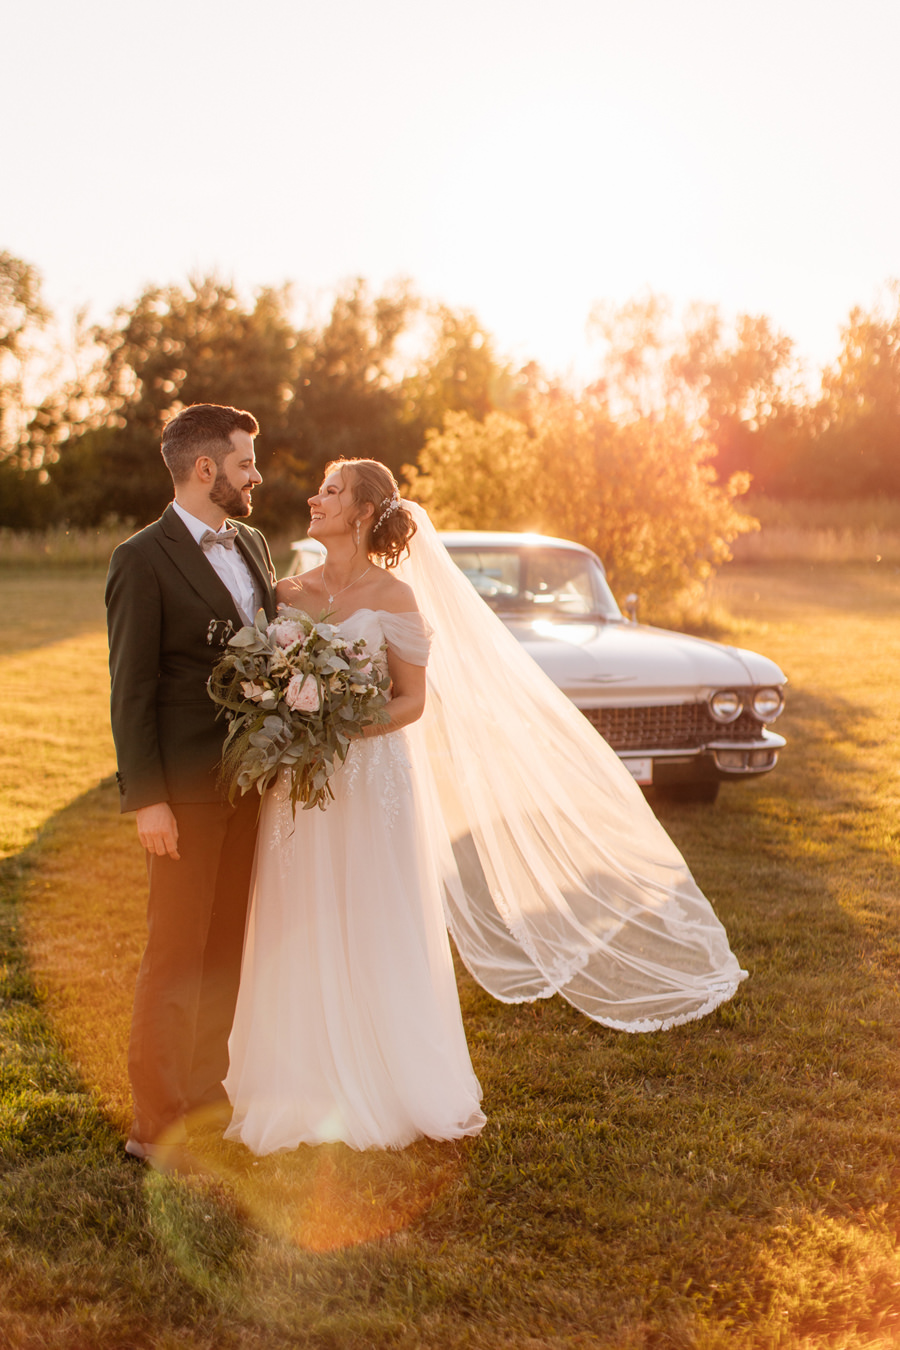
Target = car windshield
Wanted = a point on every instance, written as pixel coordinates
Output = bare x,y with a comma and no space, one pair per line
561,582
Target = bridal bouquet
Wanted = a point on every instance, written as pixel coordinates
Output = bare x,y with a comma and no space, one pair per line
296,694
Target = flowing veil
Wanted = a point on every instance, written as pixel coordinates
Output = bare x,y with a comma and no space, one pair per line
557,876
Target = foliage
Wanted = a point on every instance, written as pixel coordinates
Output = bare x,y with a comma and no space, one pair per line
21,306
460,372
171,348
346,399
745,389
21,312
296,694
319,393
28,501
472,474
731,1183
748,386
643,494
741,384
386,375
856,449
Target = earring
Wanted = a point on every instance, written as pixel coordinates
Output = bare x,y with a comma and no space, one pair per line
357,534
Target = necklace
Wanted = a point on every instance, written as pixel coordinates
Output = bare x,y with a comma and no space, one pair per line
331,598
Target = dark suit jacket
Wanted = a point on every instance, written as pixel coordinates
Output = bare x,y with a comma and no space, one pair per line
169,615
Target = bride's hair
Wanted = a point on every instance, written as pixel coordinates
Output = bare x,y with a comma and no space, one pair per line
392,524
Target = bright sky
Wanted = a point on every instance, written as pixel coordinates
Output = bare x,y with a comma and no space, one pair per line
521,159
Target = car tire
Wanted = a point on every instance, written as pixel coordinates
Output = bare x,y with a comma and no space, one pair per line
702,793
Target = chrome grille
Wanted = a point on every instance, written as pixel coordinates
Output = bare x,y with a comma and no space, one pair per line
680,726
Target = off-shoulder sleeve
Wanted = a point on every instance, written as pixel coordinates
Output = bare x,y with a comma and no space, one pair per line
409,635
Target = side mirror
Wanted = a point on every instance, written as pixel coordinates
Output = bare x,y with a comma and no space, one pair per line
630,606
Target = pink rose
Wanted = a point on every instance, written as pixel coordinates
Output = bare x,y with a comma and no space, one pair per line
302,694
286,632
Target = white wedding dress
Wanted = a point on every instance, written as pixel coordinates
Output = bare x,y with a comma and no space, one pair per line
502,815
348,1024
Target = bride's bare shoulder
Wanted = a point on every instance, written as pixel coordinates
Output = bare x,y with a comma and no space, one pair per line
394,596
298,590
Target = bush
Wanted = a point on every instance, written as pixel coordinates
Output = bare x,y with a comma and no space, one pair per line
644,494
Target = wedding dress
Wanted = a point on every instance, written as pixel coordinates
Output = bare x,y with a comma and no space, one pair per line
348,1023
504,809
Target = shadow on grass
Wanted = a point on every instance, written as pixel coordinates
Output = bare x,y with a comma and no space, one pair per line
98,1250
732,1182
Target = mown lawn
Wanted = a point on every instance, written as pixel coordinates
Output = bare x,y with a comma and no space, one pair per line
733,1183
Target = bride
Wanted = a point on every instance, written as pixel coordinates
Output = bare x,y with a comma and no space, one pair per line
491,807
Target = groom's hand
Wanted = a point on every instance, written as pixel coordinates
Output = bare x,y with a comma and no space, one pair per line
158,829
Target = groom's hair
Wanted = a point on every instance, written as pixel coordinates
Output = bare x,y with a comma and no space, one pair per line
202,429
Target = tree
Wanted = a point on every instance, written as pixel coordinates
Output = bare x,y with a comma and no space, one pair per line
174,347
340,389
479,475
21,312
856,448
740,385
461,373
633,373
643,494
747,387
345,398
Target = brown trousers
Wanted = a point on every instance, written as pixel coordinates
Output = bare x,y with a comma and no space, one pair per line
188,979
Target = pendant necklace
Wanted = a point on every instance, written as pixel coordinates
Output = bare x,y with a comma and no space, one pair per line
331,598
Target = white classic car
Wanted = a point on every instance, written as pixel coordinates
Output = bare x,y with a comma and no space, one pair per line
684,714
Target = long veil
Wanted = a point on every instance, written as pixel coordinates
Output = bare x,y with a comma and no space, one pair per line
557,876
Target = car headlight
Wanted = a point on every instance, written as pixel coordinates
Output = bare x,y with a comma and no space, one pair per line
726,705
767,703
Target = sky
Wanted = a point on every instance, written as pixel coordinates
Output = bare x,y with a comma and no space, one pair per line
522,160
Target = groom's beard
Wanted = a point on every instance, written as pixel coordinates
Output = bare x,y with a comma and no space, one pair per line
225,494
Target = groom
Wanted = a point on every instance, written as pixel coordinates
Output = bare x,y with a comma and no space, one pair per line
175,593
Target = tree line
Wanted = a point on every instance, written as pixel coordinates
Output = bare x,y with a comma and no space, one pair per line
647,464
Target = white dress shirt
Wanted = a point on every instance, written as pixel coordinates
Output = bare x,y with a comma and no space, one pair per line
229,565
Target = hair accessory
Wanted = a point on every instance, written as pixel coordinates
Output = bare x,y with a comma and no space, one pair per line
389,504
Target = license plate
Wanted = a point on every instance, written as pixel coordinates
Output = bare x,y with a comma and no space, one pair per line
641,770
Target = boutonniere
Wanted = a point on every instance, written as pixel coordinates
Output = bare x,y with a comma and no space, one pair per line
219,632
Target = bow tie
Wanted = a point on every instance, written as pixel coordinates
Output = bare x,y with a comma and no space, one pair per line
212,537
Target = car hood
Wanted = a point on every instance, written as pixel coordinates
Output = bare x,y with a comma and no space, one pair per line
609,663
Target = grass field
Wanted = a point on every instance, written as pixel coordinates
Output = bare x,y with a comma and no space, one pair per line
733,1183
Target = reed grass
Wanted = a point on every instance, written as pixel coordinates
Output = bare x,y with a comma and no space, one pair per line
66,549
854,531
862,531
61,547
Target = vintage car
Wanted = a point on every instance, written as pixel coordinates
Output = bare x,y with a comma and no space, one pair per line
683,713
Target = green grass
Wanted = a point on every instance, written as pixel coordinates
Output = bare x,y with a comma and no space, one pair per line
733,1183
55,740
